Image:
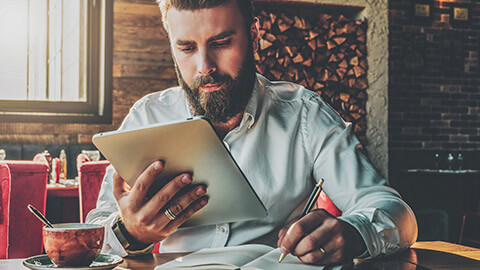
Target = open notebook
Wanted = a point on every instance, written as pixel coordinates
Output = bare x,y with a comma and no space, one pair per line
245,257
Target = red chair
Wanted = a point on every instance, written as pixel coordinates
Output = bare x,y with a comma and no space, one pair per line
469,233
4,207
324,202
22,183
90,177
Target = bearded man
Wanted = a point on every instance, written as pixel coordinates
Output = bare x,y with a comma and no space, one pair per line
284,138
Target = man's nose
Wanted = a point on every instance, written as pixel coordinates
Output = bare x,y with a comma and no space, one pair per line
206,65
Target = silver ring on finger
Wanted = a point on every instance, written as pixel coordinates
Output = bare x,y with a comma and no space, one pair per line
322,250
170,215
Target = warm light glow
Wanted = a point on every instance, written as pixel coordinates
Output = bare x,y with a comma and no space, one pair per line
13,49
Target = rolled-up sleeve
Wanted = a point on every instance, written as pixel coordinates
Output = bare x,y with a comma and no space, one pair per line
385,222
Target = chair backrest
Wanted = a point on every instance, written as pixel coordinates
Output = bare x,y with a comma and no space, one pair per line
90,176
4,207
28,185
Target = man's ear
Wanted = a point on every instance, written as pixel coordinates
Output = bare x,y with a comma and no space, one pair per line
254,31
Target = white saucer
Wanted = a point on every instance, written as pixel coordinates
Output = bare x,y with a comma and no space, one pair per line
103,261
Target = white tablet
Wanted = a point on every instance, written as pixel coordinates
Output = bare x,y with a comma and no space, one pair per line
186,146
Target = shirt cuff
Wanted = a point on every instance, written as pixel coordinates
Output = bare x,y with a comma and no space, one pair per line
111,244
364,227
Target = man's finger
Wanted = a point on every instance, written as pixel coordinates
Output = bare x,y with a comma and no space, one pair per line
322,234
184,201
186,215
165,194
299,229
281,235
283,231
118,183
143,182
331,254
314,257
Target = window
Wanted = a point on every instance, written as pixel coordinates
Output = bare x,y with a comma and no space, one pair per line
56,60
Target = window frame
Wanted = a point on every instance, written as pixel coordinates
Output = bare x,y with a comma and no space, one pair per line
98,106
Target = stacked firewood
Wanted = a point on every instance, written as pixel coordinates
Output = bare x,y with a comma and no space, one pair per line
324,53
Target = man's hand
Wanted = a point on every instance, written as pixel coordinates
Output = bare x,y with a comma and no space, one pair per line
144,218
319,230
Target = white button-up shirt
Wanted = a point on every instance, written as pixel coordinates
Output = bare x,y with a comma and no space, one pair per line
288,139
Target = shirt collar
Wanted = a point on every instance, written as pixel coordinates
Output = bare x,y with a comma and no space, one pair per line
253,108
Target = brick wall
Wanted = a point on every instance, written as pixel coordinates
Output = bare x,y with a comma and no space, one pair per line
434,83
434,78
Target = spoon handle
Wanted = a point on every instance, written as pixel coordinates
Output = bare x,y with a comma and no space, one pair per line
39,215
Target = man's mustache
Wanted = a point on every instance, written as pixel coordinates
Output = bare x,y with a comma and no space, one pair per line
213,78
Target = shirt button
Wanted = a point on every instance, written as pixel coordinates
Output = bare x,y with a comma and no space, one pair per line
222,229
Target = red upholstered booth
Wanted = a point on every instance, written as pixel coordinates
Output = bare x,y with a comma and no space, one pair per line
21,183
90,176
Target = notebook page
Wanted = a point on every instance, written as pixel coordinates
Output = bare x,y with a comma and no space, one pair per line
229,257
270,261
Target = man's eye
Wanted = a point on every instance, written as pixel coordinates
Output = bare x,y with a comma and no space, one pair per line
221,43
187,49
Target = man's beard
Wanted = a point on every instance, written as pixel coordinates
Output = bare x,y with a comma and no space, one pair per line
221,105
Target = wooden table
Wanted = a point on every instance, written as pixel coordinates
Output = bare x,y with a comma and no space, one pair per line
62,191
62,203
440,255
426,255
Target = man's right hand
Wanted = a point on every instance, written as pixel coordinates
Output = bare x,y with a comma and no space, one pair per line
145,219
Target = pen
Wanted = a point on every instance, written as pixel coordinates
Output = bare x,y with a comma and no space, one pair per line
308,207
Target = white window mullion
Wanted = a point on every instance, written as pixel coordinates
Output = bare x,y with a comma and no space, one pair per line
37,54
82,60
51,49
70,50
55,51
58,48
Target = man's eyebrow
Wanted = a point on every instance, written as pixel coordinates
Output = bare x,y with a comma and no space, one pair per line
222,35
183,42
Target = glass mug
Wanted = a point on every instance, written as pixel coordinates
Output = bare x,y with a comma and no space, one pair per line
93,155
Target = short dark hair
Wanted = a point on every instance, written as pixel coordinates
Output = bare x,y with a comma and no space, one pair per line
245,6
